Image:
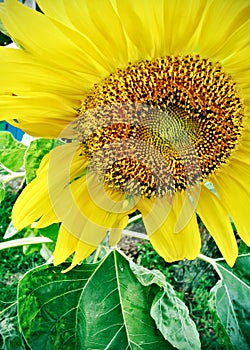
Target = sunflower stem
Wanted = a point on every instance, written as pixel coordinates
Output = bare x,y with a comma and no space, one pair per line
50,260
97,253
134,219
134,234
11,175
212,262
24,241
14,177
5,168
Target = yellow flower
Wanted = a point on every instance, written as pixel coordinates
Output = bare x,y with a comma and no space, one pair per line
155,96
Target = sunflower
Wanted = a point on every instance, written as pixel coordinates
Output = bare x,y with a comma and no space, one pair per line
154,98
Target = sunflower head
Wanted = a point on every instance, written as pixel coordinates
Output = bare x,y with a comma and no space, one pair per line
160,126
154,98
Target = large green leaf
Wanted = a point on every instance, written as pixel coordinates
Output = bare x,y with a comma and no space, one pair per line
94,306
169,312
11,151
35,153
232,299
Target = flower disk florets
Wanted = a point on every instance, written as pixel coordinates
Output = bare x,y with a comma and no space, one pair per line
160,126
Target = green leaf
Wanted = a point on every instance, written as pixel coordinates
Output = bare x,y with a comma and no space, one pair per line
35,153
10,337
11,231
221,334
11,151
46,253
50,232
2,191
169,312
94,306
232,295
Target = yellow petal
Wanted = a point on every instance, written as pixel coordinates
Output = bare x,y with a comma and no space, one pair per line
34,203
98,26
40,114
107,22
170,245
237,168
74,206
142,21
115,233
56,196
173,247
235,195
242,155
115,236
215,218
40,36
83,244
159,28
66,245
20,73
181,25
236,50
96,64
65,186
55,9
48,218
154,212
218,23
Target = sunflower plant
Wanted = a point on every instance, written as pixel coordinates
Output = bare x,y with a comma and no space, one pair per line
139,111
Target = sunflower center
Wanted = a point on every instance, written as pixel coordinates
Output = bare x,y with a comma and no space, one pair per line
160,126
